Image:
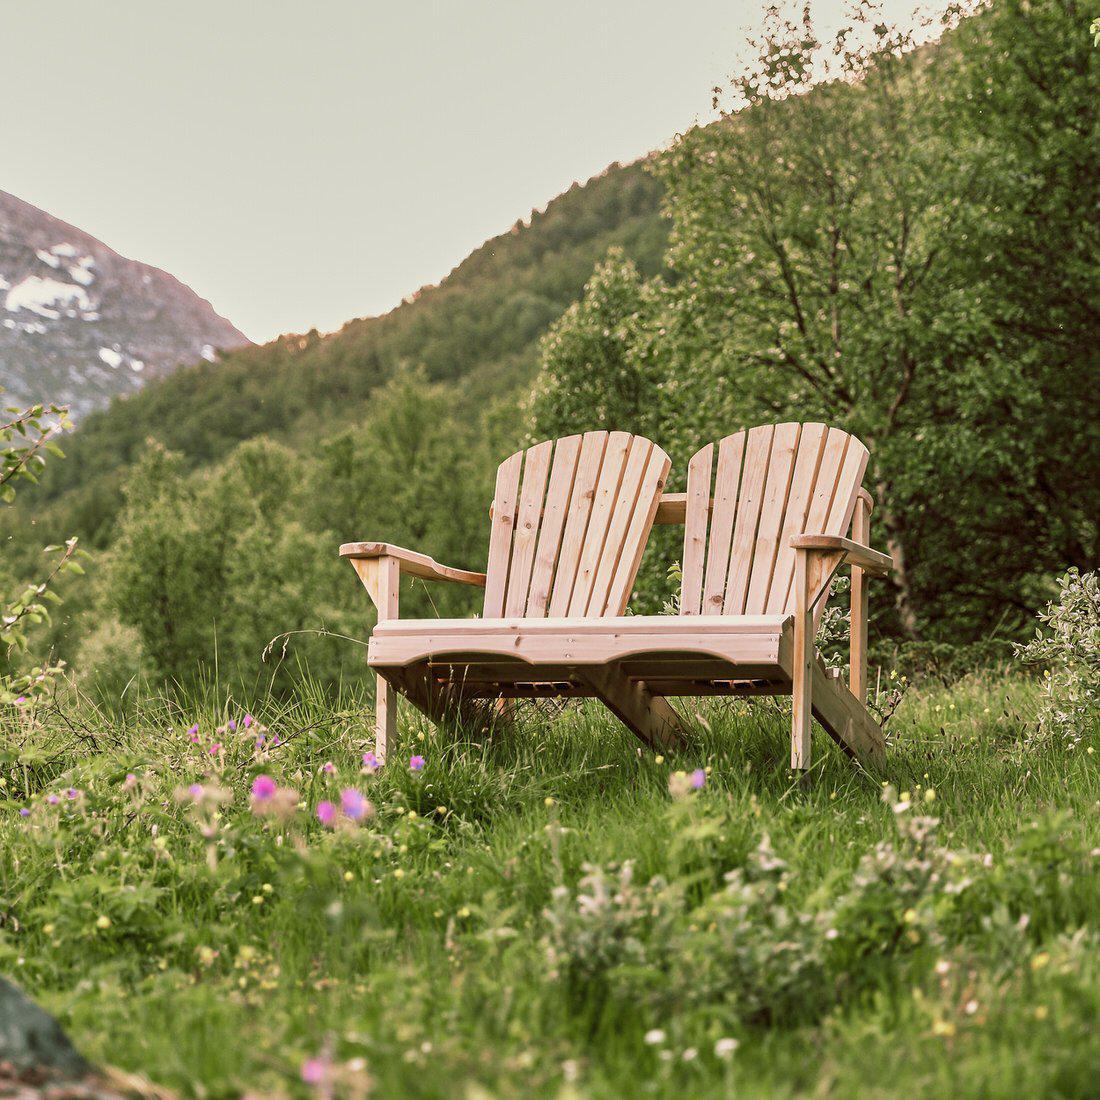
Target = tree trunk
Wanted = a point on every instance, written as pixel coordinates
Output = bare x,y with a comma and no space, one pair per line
895,545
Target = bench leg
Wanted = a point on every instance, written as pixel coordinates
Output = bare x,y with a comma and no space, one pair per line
802,670
385,717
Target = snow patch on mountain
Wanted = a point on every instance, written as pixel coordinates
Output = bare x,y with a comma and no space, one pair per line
41,295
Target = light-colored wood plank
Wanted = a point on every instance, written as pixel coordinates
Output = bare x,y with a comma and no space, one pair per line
848,488
857,650
727,483
637,534
382,579
648,716
696,516
871,561
758,446
847,720
626,506
576,523
505,500
670,625
615,457
562,475
410,563
803,480
536,467
777,488
803,660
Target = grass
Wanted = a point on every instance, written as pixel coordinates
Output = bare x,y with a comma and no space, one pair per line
539,915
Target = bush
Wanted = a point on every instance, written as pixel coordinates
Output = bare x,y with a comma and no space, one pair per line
1071,650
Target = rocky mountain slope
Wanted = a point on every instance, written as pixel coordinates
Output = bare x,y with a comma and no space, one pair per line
80,324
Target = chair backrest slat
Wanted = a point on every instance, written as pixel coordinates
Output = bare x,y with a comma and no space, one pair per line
570,519
771,483
527,527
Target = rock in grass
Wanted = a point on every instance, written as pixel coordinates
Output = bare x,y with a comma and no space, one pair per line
31,1041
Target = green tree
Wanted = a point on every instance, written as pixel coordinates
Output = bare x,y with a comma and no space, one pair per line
26,437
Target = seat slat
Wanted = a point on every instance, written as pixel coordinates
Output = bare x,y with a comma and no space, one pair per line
615,458
727,481
758,448
695,530
536,467
562,474
576,524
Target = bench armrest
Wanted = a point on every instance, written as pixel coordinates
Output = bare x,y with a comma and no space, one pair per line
411,563
870,561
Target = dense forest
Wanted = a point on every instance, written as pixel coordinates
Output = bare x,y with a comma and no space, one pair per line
899,241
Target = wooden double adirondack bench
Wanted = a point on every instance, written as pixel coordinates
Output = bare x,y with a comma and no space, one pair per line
767,517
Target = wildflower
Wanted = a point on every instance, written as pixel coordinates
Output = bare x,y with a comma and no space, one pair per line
72,793
416,763
679,785
354,804
654,1037
371,762
215,748
398,873
724,1048
195,791
348,876
52,799
314,1071
129,782
103,922
658,759
328,767
1041,1012
1040,960
247,721
464,912
548,801
193,732
910,916
971,1007
20,700
24,812
441,810
943,1028
690,1054
930,795
326,813
48,929
257,899
206,955
698,779
263,788
232,725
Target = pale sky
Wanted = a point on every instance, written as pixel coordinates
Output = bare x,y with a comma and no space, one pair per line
301,164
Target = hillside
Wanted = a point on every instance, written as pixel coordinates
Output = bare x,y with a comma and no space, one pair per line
478,328
81,324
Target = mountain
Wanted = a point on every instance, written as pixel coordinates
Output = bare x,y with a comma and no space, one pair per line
80,324
477,330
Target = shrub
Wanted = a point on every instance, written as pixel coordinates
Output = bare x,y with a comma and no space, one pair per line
1071,650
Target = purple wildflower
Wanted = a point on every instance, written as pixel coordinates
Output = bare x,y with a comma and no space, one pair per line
314,1071
72,792
21,700
260,741
52,799
326,813
371,762
193,732
247,721
129,782
263,788
416,763
195,791
698,778
353,804
215,748
328,767
24,812
232,725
